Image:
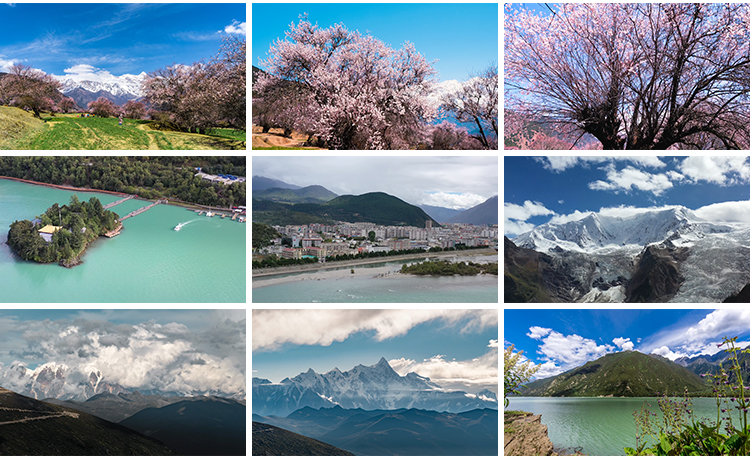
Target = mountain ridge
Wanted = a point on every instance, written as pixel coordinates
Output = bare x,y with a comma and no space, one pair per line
374,387
481,214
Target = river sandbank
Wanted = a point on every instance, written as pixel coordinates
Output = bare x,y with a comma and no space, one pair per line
263,272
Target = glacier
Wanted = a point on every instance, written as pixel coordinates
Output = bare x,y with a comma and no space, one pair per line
605,248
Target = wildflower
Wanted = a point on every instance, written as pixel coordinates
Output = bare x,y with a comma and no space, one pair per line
723,410
733,399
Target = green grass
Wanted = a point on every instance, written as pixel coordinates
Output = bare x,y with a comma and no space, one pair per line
70,132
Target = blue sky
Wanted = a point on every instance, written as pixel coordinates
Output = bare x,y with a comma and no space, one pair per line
464,36
539,189
117,38
457,349
146,348
563,339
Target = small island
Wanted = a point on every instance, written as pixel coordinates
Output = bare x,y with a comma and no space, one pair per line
448,268
62,234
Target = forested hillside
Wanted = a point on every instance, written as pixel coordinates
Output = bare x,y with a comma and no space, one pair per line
171,177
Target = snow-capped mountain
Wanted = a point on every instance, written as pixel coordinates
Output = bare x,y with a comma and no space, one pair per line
669,254
595,231
124,85
53,380
369,388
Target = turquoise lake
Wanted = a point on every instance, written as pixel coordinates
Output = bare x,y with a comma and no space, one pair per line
598,426
204,262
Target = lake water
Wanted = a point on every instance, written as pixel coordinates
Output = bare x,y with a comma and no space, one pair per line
147,262
396,289
599,426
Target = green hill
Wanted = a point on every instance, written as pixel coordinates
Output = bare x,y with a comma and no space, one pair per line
309,194
15,124
379,208
623,374
269,440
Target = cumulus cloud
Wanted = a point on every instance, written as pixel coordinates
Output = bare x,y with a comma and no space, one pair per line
273,328
623,343
732,211
561,163
722,170
631,178
453,200
6,64
471,375
169,357
562,352
236,27
515,216
702,337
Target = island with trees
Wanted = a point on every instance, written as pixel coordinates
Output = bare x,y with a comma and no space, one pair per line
448,268
62,233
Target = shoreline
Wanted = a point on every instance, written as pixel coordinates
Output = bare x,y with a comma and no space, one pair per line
333,265
173,202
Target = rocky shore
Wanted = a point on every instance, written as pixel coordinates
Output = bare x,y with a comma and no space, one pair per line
525,435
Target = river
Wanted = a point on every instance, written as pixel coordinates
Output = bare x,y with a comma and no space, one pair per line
598,426
377,283
148,262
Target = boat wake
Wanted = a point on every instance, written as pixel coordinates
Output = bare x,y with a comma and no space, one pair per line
182,224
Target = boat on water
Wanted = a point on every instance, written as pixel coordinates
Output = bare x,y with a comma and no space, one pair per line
178,227
209,214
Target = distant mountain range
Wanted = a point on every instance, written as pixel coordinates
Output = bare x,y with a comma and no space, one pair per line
117,89
379,208
308,194
115,408
200,426
481,214
270,440
621,374
668,254
58,381
398,432
440,214
34,428
261,183
374,387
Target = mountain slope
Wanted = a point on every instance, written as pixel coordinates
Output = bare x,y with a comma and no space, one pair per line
202,426
440,214
374,387
270,440
481,214
115,408
263,183
626,374
400,432
34,428
377,207
311,194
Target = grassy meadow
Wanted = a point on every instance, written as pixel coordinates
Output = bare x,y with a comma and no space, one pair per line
19,130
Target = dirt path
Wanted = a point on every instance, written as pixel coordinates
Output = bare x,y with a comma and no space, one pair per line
274,138
55,414
152,145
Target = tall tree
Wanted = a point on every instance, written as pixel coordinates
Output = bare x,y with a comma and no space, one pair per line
103,107
635,76
350,90
29,88
477,102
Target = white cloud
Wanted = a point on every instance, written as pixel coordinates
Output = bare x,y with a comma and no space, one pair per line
273,328
631,178
563,352
538,332
666,353
561,163
236,27
471,375
722,170
623,343
453,200
6,64
732,211
515,216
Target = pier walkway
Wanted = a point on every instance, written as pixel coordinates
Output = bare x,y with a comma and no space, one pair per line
112,204
142,209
